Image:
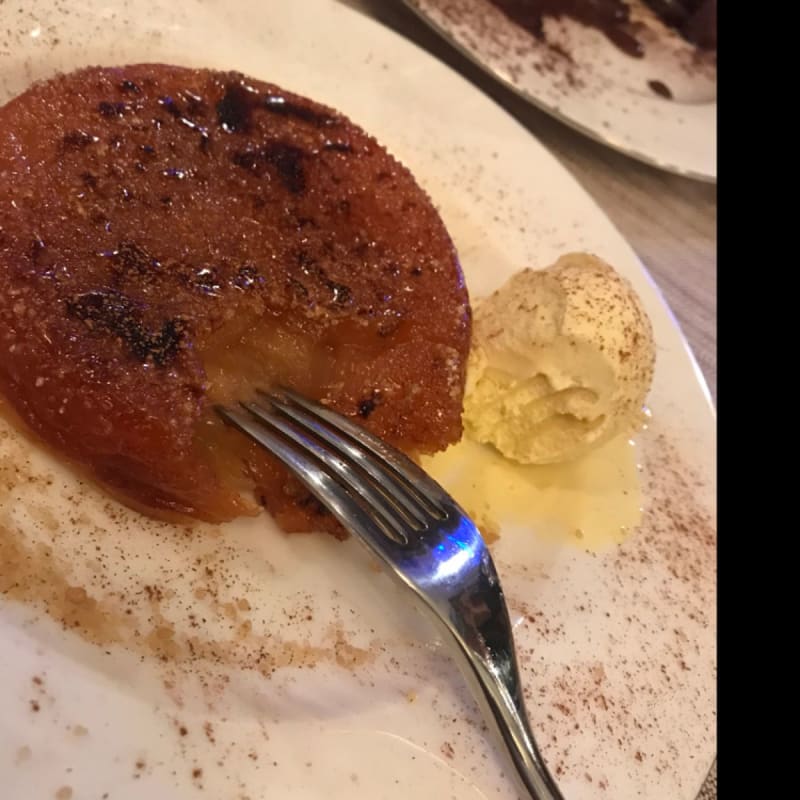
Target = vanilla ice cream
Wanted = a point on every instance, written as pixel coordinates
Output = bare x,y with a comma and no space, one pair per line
562,361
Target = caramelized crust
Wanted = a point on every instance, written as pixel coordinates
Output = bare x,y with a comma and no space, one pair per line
171,238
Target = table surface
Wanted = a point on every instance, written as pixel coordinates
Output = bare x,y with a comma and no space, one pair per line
670,221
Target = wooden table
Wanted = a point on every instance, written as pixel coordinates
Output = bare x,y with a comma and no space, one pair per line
671,222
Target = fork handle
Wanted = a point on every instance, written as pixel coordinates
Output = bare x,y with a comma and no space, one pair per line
490,667
495,681
498,687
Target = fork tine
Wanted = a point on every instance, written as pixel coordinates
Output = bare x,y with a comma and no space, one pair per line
353,439
393,515
346,506
403,494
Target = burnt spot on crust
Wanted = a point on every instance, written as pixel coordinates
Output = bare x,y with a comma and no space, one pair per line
368,404
130,87
251,160
286,159
187,104
277,104
170,106
176,172
109,311
129,256
108,109
341,295
77,140
186,112
247,277
205,280
235,109
338,147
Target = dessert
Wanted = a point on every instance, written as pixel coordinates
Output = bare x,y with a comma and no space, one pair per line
562,361
172,238
610,17
694,20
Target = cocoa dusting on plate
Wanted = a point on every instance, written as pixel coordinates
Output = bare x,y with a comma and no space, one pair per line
115,607
675,548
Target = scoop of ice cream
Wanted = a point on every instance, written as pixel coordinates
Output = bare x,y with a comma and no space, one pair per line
562,361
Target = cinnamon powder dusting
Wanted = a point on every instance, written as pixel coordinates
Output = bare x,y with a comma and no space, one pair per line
194,619
83,576
661,585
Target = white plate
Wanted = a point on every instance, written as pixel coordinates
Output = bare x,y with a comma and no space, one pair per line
600,90
291,668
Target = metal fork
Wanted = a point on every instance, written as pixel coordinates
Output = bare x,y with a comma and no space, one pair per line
425,539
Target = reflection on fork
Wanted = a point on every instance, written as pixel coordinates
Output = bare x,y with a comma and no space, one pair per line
425,539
